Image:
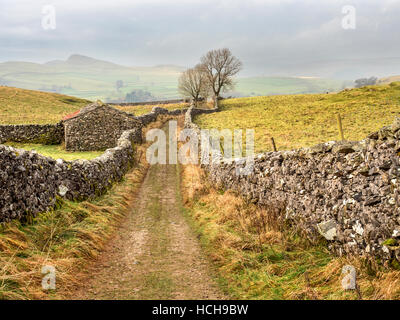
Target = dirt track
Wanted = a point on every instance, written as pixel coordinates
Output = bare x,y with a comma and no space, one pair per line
154,255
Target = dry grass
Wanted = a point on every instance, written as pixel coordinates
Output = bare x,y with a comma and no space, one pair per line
20,106
68,238
296,121
256,259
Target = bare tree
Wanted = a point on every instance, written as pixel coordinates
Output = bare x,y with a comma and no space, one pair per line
219,67
192,83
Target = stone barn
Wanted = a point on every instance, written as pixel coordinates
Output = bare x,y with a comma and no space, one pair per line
97,127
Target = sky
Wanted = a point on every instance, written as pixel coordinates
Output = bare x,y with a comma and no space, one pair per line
271,37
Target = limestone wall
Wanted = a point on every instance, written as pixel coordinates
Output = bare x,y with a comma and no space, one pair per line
30,183
34,133
97,127
347,192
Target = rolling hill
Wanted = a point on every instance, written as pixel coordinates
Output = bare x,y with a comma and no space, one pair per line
89,78
20,106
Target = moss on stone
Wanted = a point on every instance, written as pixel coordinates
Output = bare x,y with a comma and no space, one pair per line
389,242
395,264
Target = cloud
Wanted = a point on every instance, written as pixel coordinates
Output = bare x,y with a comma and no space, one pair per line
270,36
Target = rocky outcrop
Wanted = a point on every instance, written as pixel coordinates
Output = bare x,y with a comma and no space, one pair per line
346,192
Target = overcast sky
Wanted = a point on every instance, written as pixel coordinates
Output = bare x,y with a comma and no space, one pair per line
269,36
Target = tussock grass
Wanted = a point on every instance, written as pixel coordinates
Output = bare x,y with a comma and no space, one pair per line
66,238
256,259
296,121
20,106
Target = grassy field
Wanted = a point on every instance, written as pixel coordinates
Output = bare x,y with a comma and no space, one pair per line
256,259
56,151
143,109
19,106
261,86
304,120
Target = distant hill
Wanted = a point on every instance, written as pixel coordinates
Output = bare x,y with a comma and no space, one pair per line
20,106
90,78
388,80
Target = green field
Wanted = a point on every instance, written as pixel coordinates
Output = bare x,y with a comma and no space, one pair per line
296,121
261,86
56,151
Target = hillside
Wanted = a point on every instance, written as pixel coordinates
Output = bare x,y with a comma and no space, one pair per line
19,106
90,78
389,80
304,120
93,79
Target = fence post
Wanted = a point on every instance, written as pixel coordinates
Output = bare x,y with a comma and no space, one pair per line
273,144
339,121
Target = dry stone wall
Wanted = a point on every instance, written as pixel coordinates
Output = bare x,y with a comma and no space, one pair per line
347,192
125,104
97,127
152,116
30,183
44,134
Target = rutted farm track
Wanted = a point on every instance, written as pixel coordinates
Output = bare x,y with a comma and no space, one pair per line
155,254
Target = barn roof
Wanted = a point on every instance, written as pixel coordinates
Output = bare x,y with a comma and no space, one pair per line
92,107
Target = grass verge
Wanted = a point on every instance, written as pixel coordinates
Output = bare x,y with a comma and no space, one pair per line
65,238
254,259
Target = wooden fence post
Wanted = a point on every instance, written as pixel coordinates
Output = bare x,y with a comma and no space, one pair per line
273,144
339,121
